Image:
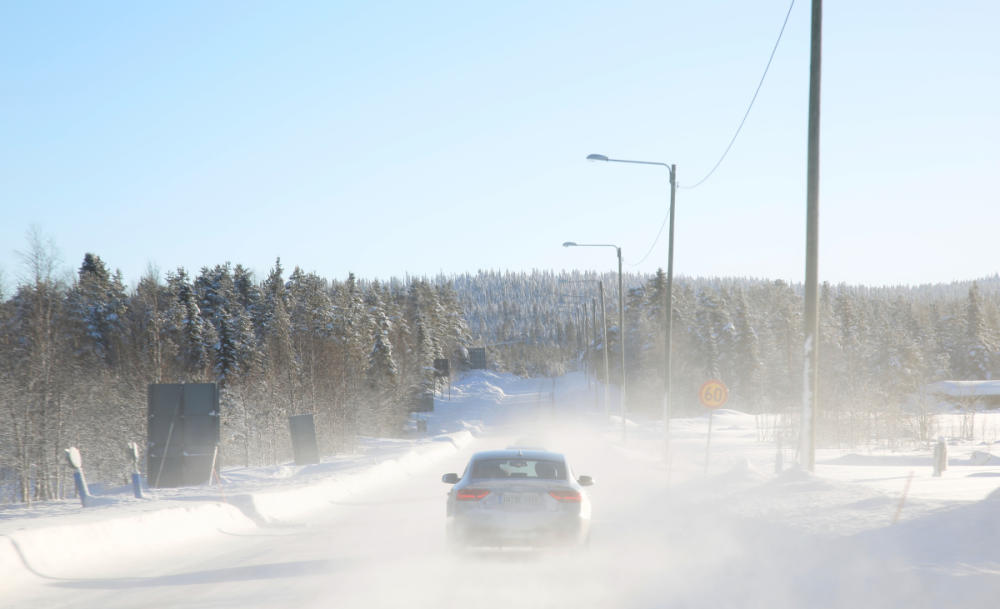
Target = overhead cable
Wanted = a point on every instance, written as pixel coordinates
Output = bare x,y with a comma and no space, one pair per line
747,113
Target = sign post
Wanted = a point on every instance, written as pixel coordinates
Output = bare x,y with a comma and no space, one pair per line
713,394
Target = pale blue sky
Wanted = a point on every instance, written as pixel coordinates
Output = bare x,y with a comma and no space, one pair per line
394,138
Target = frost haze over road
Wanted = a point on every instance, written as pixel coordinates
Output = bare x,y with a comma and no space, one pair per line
739,536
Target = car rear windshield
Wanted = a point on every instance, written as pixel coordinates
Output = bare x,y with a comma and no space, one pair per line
519,468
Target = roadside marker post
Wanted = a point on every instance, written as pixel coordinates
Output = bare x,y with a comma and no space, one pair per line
76,462
132,452
940,457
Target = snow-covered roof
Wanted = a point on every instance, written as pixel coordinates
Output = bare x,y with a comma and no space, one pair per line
965,389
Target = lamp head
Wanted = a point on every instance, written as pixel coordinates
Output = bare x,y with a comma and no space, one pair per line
569,244
596,157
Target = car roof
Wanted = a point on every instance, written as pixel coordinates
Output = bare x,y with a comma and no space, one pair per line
519,453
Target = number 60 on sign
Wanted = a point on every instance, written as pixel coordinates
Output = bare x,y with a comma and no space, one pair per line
713,394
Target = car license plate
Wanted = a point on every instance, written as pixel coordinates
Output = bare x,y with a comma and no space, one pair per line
521,499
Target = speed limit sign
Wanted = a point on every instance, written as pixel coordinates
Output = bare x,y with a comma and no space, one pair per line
713,394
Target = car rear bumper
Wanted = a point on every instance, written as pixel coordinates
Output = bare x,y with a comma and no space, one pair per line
568,530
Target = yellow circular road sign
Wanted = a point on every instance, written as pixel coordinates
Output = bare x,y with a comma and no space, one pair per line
713,394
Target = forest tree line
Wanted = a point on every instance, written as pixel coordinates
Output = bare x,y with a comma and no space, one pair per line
879,347
77,355
76,358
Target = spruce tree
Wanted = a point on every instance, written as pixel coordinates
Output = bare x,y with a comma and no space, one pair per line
96,307
193,334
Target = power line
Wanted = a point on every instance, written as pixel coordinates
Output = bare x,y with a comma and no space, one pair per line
732,141
747,113
655,241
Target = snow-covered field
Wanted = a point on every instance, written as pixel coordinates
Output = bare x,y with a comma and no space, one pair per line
869,528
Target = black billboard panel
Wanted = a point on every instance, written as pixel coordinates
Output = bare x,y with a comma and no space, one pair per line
477,358
182,433
442,367
422,402
303,430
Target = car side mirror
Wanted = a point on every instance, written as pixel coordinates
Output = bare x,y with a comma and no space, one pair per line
585,481
450,478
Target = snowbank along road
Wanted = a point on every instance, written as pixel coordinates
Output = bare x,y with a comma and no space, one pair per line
739,535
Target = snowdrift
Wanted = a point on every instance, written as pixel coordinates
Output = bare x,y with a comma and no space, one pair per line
51,548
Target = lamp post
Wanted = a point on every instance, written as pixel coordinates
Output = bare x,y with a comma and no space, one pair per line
672,172
621,316
604,328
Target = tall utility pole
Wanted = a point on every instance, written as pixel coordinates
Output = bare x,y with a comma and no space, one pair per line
807,445
621,327
585,318
593,364
603,337
669,296
621,337
604,348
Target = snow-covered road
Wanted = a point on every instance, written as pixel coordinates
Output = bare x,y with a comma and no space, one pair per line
740,536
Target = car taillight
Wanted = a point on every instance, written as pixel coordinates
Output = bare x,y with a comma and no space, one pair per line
471,494
568,496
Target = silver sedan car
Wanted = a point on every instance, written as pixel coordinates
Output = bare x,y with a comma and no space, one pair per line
517,498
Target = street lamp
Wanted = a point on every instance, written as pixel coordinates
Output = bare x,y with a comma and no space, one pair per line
672,171
621,316
604,324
